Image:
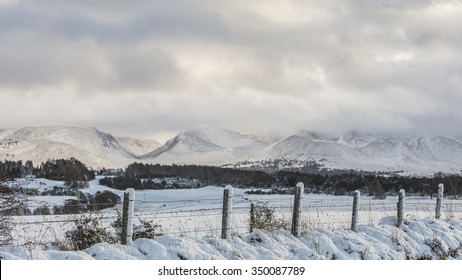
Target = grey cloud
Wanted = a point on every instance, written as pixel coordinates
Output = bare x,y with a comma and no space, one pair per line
138,21
141,70
401,57
42,47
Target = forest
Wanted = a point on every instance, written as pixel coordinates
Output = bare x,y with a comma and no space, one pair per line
143,176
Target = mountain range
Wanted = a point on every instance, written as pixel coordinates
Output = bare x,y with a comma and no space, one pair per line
219,147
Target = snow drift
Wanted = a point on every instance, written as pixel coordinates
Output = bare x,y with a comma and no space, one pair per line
416,239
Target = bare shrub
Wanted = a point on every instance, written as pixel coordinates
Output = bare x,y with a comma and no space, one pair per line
87,231
71,206
42,210
147,229
263,217
12,202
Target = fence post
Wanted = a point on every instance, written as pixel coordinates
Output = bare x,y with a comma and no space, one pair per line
296,217
439,198
127,217
252,216
354,216
402,194
227,208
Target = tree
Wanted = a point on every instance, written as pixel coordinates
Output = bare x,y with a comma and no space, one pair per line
102,200
73,172
12,201
377,190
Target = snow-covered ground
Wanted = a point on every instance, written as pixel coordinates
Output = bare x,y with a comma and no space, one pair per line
190,221
416,239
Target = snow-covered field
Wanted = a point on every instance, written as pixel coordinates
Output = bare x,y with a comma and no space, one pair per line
417,239
190,221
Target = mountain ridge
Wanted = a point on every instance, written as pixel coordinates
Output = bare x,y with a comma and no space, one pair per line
223,147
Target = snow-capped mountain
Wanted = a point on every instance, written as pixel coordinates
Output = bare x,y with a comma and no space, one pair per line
381,153
89,145
353,150
213,146
216,146
308,146
430,153
138,147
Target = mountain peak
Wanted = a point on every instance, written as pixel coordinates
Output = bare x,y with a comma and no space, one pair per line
90,145
218,146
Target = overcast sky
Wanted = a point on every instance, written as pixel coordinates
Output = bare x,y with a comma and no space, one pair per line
153,68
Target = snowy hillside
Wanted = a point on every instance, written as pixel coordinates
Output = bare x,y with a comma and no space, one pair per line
221,147
212,146
424,155
89,145
353,150
304,147
138,147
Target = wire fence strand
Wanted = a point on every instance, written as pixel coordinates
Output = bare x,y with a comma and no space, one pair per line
191,217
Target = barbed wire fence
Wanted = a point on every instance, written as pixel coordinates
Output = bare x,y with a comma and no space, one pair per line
207,217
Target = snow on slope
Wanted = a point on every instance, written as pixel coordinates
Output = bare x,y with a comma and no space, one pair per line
416,239
138,147
215,146
206,146
304,147
445,148
369,152
417,153
89,145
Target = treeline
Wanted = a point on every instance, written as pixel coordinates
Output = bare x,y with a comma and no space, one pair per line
140,176
208,175
375,185
15,169
143,176
73,172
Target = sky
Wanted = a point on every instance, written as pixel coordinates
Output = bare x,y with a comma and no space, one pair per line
154,68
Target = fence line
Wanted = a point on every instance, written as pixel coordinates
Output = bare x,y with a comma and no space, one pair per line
307,218
176,201
297,210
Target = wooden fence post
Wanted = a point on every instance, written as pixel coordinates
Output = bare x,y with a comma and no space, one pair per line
127,217
354,215
439,198
297,211
227,208
402,194
252,216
